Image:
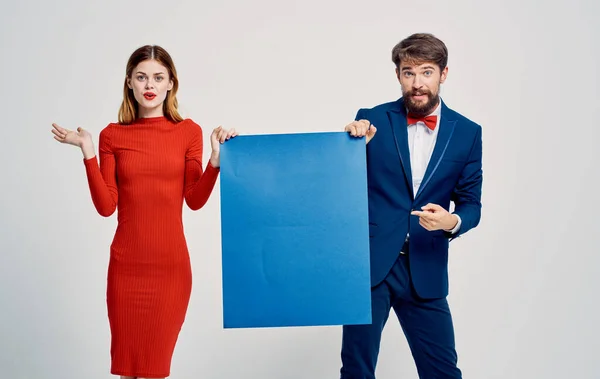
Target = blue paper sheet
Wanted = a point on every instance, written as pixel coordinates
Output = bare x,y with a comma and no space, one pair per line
295,232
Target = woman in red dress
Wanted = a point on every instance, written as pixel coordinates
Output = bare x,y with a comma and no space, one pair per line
149,163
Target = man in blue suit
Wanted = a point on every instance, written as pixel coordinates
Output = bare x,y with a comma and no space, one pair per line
424,156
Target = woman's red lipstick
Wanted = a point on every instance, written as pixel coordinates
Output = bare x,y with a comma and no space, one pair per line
149,95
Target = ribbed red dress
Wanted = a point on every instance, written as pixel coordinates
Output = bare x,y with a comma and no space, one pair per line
146,170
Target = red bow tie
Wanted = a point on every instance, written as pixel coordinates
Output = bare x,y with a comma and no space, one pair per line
430,121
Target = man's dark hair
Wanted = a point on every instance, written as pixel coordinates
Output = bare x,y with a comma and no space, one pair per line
420,48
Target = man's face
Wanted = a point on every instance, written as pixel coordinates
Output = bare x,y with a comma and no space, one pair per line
421,86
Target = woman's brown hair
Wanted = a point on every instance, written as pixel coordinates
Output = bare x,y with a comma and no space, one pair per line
129,107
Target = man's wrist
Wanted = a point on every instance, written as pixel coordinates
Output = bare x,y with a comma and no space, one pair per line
455,224
453,221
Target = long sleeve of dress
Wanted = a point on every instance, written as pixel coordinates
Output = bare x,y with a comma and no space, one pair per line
103,180
198,184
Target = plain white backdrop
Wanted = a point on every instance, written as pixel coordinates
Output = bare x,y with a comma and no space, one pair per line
524,284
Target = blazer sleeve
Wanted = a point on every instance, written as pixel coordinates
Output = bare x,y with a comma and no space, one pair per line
467,193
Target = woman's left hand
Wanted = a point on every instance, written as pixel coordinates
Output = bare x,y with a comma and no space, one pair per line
219,136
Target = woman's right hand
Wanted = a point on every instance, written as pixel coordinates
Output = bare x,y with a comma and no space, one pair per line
219,136
80,138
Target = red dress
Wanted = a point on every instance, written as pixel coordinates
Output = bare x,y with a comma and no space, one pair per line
146,170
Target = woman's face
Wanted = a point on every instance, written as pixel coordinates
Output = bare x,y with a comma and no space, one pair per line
150,83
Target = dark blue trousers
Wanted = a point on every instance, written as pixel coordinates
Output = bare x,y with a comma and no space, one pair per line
427,325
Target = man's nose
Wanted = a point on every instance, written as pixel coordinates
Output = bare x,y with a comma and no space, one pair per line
417,82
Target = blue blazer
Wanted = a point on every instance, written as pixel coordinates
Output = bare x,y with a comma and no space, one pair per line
454,174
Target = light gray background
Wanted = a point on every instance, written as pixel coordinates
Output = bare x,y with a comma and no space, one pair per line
523,284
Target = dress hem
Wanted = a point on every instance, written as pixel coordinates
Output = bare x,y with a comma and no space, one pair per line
144,375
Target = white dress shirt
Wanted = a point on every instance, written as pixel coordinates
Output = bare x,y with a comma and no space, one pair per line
421,141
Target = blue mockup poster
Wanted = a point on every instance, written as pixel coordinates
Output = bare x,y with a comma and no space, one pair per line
295,232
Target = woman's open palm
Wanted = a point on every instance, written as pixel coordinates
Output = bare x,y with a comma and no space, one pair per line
71,137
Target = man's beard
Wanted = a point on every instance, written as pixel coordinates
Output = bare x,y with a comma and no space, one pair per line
420,109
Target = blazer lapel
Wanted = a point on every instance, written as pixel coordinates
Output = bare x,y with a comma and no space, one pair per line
397,117
447,124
